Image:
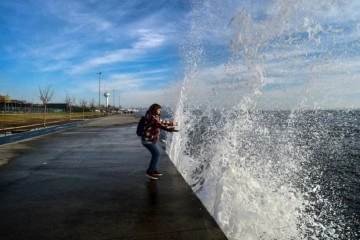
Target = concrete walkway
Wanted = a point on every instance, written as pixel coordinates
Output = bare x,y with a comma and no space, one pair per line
88,183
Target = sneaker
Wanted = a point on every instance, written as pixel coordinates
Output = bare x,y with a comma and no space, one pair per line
151,175
157,174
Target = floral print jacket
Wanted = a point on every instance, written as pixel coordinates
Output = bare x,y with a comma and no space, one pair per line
153,124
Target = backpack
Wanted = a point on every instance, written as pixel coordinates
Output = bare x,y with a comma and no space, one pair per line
140,126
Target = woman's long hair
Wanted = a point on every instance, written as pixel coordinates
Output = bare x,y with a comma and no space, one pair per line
153,108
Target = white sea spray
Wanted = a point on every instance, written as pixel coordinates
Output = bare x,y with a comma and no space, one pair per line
253,175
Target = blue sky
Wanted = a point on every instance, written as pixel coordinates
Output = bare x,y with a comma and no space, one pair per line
66,43
298,52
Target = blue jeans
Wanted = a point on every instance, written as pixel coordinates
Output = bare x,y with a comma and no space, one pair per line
155,154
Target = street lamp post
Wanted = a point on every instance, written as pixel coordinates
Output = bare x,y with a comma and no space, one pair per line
119,102
114,99
99,91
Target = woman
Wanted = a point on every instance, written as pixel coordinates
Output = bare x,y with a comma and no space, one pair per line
150,136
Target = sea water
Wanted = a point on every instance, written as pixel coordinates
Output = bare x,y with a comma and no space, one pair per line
268,164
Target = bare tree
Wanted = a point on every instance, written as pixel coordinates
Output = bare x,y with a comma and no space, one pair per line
68,105
73,101
83,104
92,106
46,95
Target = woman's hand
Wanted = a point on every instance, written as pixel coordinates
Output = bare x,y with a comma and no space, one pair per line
174,123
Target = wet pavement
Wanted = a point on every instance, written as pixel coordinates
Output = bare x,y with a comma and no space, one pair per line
39,132
89,182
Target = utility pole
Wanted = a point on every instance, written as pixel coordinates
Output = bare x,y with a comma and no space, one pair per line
99,92
114,99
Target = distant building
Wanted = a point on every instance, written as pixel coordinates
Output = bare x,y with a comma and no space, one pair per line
5,102
8,105
5,99
56,107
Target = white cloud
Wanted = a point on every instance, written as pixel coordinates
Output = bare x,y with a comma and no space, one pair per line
73,38
146,40
164,97
112,57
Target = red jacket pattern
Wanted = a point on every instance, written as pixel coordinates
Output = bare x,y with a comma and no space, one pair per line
153,124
